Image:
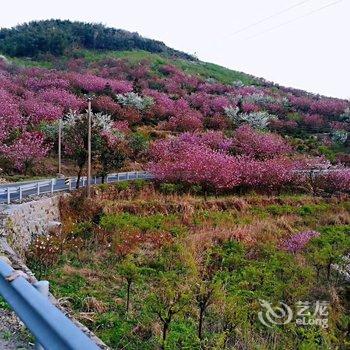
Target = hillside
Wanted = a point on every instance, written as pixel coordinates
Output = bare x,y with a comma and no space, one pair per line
57,37
143,97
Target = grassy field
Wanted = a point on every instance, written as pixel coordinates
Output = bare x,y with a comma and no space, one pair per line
198,68
146,269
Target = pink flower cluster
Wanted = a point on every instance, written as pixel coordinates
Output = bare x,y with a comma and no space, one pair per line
255,144
93,83
328,107
184,118
29,147
38,110
208,104
337,180
37,79
10,115
297,242
314,121
63,98
204,159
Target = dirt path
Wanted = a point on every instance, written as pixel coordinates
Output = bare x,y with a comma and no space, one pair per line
13,335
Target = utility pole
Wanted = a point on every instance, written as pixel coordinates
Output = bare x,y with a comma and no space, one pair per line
89,150
60,147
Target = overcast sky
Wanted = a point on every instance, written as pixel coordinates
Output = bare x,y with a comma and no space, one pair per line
300,45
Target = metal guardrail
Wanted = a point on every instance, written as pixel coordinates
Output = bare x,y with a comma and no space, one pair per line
51,328
50,186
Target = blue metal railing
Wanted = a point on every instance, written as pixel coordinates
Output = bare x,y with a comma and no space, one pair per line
51,328
16,192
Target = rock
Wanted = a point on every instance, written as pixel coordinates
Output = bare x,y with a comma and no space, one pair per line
5,259
54,227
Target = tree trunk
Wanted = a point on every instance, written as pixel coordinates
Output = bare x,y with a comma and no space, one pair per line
165,333
318,273
329,270
79,176
200,322
128,297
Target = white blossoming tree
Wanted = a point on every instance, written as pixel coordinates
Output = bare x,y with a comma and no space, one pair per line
134,100
258,120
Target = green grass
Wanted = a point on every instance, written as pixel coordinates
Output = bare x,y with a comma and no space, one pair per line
3,304
211,70
27,62
144,223
7,335
198,68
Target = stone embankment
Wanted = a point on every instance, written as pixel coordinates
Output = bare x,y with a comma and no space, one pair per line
19,225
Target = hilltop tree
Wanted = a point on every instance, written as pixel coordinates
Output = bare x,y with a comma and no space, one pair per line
57,37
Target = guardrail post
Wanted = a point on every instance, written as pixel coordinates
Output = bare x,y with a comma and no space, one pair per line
20,194
83,179
107,179
95,180
8,195
43,288
127,176
38,188
52,185
117,177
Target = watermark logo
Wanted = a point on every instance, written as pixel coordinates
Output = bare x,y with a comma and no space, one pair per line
277,315
304,313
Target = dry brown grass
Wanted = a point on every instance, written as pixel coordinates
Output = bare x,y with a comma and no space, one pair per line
87,273
92,304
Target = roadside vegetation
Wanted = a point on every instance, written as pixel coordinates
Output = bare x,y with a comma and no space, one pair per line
145,268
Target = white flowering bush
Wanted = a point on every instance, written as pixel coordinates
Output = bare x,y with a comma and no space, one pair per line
339,136
101,120
260,99
211,80
237,83
265,100
232,113
258,120
346,115
134,100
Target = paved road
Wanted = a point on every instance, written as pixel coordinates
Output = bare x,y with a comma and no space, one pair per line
57,185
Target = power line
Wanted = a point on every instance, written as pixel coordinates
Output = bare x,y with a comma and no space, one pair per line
296,19
269,17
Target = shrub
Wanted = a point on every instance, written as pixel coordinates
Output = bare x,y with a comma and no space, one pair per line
122,185
170,188
102,187
139,184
